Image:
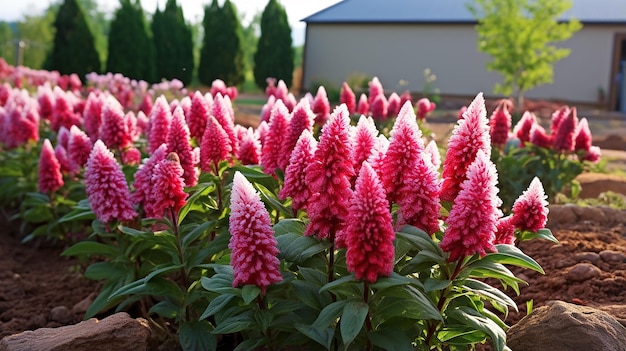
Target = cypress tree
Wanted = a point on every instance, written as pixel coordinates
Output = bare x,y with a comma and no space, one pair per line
274,55
231,58
131,50
73,50
208,66
173,44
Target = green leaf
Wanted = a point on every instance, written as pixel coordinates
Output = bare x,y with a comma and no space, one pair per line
204,189
235,324
323,336
511,255
352,319
289,225
130,231
435,284
216,305
197,232
102,301
195,336
220,283
38,214
165,309
543,233
336,283
391,339
78,214
419,239
103,271
91,248
475,320
249,293
484,269
330,314
489,291
251,344
394,280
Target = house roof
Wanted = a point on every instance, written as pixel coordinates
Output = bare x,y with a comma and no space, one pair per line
450,11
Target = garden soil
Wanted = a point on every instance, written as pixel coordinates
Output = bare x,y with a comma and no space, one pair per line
39,288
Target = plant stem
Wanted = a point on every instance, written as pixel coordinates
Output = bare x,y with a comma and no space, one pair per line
432,327
261,301
179,247
218,185
368,318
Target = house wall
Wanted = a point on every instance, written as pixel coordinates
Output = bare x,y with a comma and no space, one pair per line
395,52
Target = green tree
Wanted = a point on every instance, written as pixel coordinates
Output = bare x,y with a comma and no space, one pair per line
73,50
519,35
131,49
231,52
250,40
274,55
173,44
208,66
7,43
37,32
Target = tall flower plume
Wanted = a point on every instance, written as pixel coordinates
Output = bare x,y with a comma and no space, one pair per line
375,89
198,115
500,124
346,96
424,107
583,136
301,119
379,107
160,118
365,138
474,215
539,137
321,106
369,233
50,177
523,127
530,210
222,111
92,114
106,186
363,107
470,135
254,247
275,138
249,147
78,148
113,130
215,147
144,184
168,186
178,142
564,138
394,103
328,177
295,185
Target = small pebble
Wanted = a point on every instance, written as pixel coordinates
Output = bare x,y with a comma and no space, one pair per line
582,271
612,256
592,257
61,314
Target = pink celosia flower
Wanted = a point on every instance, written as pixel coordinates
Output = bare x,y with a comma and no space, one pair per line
185,104
406,96
474,215
142,123
261,131
530,210
63,137
113,129
424,107
266,110
178,142
131,156
221,110
168,186
21,124
146,104
564,138
379,107
61,154
281,90
131,125
92,115
433,152
302,119
249,148
106,186
461,112
500,124
363,107
375,89
143,183
63,114
291,102
254,247
346,96
218,87
394,105
377,158
505,231
160,118
557,117
469,135
328,177
215,146
523,127
539,137
582,136
50,177
272,146
321,106
593,154
369,233
295,185
270,89
5,93
198,115
45,98
365,137
78,148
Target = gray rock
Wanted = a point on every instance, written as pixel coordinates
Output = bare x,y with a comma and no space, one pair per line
592,257
612,256
61,314
582,271
116,332
562,326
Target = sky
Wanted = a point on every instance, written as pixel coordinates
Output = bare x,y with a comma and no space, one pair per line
13,10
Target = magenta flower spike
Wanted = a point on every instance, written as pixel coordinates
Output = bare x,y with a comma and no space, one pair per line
198,115
92,114
254,247
365,139
281,90
106,186
530,210
369,233
261,131
131,125
78,148
474,215
295,185
505,231
393,105
178,142
363,106
143,184
379,107
61,154
114,129
142,123
63,137
557,117
500,124
406,96
45,99
539,137
424,107
462,112
63,114
160,118
377,158
266,110
328,177
278,129
433,154
564,140
221,110
168,187
131,156
301,119
215,146
146,104
185,104
375,89
346,96
50,177
291,102
470,135
582,136
593,154
523,127
249,147
321,106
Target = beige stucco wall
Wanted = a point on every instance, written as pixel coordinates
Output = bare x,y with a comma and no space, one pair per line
402,52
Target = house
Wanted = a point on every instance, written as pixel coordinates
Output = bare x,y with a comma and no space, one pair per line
396,40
